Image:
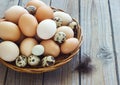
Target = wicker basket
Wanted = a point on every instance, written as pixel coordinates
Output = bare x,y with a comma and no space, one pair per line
60,61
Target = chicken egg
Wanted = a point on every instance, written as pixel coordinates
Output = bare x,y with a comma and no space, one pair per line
69,45
36,3
46,29
8,51
67,30
28,25
26,46
9,31
44,12
66,18
13,13
50,48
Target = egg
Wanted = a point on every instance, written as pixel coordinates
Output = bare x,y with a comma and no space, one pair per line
48,61
38,50
36,3
33,60
72,24
9,31
31,9
60,37
67,30
46,29
44,12
8,51
13,13
50,48
66,18
28,25
21,61
26,46
69,45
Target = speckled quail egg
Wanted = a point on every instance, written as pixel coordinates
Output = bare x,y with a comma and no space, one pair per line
58,21
72,24
21,61
33,60
31,9
60,37
48,61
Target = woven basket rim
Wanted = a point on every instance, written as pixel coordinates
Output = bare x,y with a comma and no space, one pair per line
50,68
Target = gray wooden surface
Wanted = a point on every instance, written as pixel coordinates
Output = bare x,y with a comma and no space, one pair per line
99,20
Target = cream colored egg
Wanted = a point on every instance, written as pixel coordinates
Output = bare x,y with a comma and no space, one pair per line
66,18
36,3
28,25
9,31
67,30
46,29
69,45
8,51
27,45
50,48
13,13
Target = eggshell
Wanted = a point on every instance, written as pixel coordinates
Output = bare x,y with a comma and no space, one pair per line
28,25
50,48
66,18
9,31
69,45
46,29
36,3
67,30
27,45
13,13
44,12
8,51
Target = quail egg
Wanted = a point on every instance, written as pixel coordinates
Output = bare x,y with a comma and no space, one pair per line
31,9
21,61
48,61
72,24
33,60
58,21
60,37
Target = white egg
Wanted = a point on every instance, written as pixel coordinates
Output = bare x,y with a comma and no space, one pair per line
38,50
8,51
46,29
66,18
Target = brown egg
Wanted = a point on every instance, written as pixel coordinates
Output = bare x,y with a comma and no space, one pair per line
27,45
28,25
44,12
9,31
69,45
50,48
36,3
13,13
67,30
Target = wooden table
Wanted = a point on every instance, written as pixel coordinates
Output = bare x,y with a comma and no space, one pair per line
100,22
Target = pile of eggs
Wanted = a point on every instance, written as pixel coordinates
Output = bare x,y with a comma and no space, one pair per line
36,35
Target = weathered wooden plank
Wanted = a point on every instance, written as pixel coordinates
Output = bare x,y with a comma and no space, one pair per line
16,78
4,4
65,75
95,21
115,24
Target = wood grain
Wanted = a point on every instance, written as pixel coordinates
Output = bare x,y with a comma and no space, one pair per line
95,21
115,24
65,75
4,5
